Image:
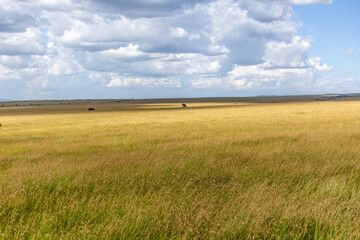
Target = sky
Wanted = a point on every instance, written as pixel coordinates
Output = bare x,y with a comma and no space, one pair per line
82,49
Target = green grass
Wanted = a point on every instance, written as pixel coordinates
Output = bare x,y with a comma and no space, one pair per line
260,171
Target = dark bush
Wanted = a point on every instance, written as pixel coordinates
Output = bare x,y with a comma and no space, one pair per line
184,105
91,109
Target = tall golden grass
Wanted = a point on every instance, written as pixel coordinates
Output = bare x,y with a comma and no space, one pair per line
210,171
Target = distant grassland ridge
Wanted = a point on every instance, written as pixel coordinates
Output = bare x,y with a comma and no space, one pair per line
132,170
256,99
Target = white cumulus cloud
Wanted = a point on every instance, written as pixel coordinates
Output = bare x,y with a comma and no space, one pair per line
58,47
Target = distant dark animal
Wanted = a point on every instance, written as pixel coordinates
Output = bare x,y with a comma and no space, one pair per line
91,109
183,105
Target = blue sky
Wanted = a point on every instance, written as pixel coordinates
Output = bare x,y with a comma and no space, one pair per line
336,29
66,49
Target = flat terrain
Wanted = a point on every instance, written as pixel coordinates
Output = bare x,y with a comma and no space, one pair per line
213,170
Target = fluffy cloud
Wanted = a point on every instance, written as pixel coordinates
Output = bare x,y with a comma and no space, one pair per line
260,76
123,81
145,8
29,42
219,44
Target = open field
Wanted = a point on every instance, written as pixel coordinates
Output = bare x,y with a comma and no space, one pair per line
157,171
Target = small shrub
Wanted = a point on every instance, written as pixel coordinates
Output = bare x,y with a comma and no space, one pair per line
91,109
184,105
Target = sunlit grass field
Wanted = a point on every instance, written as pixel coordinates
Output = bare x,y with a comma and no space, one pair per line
208,171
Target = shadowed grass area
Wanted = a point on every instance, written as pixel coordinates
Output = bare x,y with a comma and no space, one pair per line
262,171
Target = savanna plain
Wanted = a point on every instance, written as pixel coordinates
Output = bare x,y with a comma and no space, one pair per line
160,171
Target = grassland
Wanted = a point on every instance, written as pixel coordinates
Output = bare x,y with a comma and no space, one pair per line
156,171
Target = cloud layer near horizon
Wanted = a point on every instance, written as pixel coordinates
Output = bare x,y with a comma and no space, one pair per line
52,46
